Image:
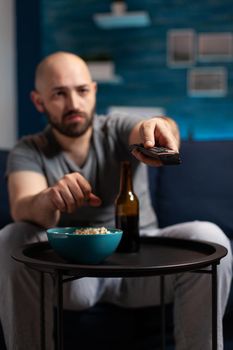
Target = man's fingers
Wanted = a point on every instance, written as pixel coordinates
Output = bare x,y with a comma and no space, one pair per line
57,199
147,134
94,201
165,137
157,131
71,192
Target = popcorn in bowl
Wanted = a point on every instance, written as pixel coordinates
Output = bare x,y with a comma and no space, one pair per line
91,231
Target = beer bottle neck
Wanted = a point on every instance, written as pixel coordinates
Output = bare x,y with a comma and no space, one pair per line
126,184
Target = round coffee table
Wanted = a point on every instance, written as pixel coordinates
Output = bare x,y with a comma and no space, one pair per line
158,256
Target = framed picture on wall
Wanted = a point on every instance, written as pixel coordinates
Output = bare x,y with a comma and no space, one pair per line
181,47
215,47
207,82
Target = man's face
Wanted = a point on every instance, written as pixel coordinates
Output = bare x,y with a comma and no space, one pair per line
71,122
68,97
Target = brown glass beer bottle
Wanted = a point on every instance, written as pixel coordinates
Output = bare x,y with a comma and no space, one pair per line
127,212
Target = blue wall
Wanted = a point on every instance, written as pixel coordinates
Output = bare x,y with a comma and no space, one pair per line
140,56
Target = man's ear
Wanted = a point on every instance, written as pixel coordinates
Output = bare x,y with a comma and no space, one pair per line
94,84
37,101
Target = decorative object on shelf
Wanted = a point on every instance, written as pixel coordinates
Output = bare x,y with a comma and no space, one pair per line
215,47
103,71
135,110
102,67
207,82
180,48
119,17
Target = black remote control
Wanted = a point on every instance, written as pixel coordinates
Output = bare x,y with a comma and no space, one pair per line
165,155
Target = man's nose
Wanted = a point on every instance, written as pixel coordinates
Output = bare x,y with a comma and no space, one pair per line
74,100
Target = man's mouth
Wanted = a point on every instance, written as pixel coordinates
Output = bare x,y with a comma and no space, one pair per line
74,116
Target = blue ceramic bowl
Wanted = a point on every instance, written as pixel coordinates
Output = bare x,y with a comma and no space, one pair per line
83,248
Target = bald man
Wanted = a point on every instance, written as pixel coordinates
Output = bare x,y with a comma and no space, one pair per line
68,175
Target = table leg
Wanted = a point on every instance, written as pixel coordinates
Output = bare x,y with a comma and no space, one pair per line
214,308
59,323
162,306
42,312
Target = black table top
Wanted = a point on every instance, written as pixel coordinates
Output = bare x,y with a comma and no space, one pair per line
157,255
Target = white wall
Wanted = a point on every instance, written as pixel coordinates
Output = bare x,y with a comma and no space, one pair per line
8,125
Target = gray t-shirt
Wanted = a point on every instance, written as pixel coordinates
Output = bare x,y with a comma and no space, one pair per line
109,146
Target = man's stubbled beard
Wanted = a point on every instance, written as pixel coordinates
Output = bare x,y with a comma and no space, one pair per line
74,129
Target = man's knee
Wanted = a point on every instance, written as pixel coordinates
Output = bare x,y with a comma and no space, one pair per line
16,234
13,236
198,230
208,231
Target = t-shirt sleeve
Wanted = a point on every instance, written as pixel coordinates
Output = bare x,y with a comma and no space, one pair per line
24,157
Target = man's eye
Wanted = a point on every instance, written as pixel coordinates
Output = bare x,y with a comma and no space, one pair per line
83,91
59,93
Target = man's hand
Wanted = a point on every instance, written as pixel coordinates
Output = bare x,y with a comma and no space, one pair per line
72,192
158,131
32,200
